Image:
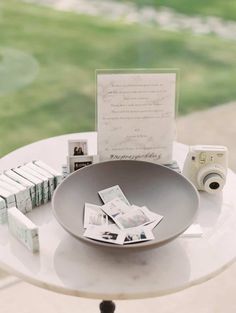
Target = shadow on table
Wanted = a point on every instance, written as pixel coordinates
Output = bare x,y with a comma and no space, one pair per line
121,274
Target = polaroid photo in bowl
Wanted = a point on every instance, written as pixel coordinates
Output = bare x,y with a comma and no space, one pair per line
109,234
133,218
115,208
138,235
94,216
111,193
77,147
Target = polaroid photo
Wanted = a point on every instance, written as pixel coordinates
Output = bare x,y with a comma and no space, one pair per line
94,216
77,147
111,193
77,162
115,208
133,218
138,235
154,217
109,234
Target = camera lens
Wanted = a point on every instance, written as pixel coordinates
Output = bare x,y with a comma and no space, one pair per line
214,185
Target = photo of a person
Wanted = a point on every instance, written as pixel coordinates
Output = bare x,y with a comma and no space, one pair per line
78,151
77,147
110,236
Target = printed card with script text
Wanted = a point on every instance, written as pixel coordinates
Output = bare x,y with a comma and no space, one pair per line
136,115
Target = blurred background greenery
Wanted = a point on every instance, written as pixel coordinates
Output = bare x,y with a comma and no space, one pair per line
65,48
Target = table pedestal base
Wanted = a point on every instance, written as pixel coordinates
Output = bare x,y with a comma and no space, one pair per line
107,307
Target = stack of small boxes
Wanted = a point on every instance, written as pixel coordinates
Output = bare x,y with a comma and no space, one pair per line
22,189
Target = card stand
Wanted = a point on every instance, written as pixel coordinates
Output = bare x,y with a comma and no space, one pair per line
78,156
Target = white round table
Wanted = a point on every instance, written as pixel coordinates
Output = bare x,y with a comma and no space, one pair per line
68,266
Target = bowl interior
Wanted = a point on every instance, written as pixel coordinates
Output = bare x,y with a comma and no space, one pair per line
159,188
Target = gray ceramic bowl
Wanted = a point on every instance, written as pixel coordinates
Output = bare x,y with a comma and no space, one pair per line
159,188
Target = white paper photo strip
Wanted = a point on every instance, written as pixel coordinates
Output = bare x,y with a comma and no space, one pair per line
37,182
56,174
24,182
23,192
45,174
9,197
42,179
3,211
23,229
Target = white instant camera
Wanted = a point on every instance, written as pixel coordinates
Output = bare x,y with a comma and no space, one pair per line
206,167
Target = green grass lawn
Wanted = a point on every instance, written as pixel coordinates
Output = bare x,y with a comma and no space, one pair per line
224,9
69,48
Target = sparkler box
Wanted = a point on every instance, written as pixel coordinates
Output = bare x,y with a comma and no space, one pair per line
23,229
37,182
8,196
23,193
47,175
25,183
19,198
43,179
3,211
56,174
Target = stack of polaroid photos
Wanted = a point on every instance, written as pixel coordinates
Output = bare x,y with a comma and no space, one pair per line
77,156
117,221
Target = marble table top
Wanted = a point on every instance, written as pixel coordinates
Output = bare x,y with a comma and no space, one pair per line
68,266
